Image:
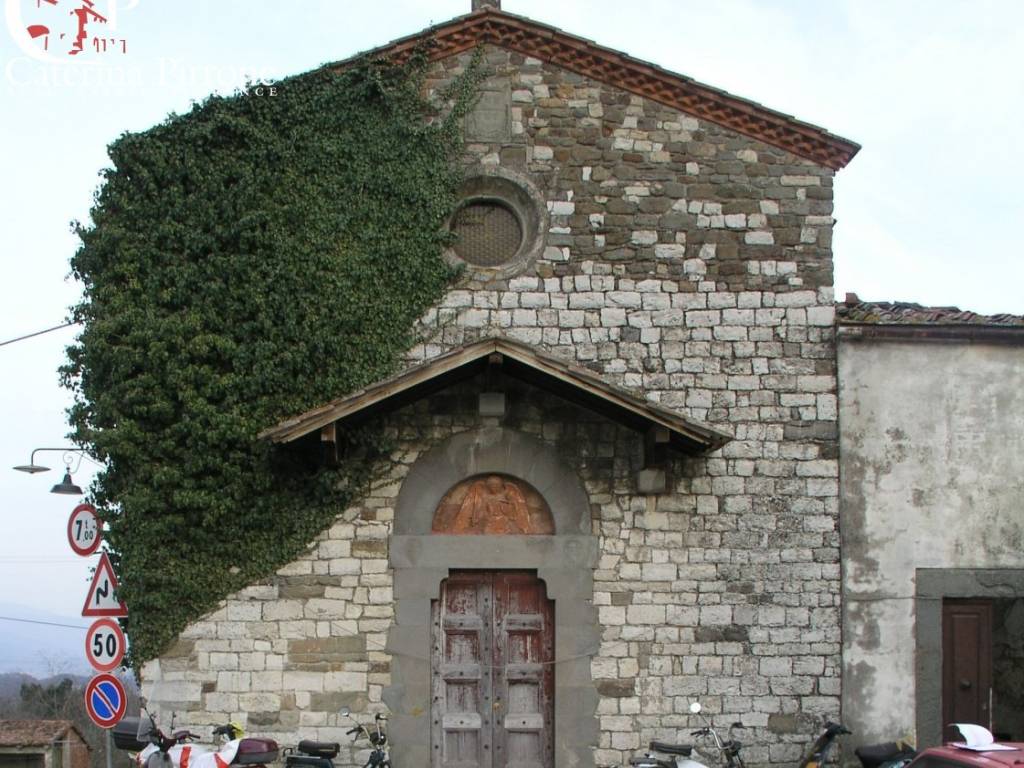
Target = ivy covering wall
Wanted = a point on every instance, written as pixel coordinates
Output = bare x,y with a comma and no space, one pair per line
251,259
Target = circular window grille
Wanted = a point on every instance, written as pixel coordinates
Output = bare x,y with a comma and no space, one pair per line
488,232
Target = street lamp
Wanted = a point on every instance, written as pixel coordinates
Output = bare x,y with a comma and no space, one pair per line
65,486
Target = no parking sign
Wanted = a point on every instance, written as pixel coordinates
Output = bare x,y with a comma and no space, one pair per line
105,700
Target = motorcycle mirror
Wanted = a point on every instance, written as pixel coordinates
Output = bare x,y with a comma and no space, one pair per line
695,708
146,725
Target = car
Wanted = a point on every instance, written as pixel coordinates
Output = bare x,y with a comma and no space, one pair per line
950,756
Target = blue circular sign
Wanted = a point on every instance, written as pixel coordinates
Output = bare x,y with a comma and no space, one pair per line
105,700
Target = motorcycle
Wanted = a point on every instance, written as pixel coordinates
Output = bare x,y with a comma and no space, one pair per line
729,748
887,755
312,754
321,754
156,750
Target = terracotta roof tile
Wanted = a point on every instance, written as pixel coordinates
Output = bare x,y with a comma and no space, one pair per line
585,57
32,733
853,310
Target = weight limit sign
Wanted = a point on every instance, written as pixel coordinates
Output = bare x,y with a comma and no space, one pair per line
84,530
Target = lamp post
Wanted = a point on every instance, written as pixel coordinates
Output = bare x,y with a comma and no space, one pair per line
65,486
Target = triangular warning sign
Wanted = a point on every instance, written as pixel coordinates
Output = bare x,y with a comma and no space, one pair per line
102,599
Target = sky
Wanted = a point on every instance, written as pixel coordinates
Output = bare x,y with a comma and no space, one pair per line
929,211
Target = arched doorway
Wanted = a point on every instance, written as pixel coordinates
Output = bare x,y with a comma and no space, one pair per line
560,562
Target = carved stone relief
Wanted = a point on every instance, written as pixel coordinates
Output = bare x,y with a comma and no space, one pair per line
493,504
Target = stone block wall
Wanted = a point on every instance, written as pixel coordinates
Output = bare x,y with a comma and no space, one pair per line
685,614
681,260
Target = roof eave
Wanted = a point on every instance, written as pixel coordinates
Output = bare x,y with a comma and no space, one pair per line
989,333
585,57
686,435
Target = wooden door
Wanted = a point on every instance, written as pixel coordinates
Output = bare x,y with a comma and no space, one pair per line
493,680
966,664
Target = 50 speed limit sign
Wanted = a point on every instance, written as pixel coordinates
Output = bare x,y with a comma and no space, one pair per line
104,645
84,530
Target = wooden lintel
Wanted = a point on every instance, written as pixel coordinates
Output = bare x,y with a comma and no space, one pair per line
329,444
658,433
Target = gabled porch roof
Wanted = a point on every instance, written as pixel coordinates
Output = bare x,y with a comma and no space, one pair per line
568,380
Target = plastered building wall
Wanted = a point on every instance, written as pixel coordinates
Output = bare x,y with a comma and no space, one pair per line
932,461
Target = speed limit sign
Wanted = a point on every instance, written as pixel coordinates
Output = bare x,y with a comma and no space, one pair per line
104,645
84,530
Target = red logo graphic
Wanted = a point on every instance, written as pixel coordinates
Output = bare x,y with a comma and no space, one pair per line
73,20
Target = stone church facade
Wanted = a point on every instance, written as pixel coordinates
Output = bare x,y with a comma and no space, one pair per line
615,488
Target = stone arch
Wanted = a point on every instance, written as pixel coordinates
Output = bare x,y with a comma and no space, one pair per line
421,560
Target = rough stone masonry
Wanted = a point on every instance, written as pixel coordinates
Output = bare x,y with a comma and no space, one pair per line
682,260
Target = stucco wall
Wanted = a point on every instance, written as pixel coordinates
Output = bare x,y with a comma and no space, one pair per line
679,259
932,476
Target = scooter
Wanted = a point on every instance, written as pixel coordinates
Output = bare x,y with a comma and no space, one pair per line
156,750
312,754
321,754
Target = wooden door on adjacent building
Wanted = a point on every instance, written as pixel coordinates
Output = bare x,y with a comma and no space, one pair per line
493,679
966,664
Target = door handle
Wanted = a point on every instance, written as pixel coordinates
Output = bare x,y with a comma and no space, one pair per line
965,684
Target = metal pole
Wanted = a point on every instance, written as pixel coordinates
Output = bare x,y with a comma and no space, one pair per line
110,751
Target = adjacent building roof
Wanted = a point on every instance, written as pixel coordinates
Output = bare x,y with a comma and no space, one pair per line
574,383
492,26
904,320
33,733
853,310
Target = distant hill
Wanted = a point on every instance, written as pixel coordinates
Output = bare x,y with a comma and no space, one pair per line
40,643
11,682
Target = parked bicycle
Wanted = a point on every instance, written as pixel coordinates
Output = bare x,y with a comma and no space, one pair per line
729,748
378,738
